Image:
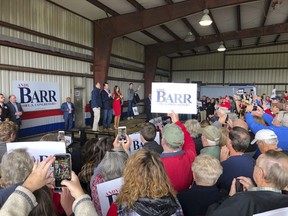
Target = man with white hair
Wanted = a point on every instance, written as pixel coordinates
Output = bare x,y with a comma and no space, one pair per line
271,176
196,200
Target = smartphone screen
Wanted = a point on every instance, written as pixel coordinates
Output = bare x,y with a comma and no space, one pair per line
239,186
122,131
62,168
61,135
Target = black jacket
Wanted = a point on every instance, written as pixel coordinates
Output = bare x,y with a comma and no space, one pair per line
196,200
5,113
164,206
249,203
107,102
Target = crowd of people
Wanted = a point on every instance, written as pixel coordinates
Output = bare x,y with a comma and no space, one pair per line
233,162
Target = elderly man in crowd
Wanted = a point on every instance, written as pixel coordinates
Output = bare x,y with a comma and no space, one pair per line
267,140
271,176
196,200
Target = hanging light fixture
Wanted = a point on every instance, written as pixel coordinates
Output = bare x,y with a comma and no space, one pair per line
221,47
206,19
189,37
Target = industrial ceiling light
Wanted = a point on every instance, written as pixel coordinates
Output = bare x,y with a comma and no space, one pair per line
221,47
189,37
206,19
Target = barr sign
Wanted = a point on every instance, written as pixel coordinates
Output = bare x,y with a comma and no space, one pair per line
177,97
37,95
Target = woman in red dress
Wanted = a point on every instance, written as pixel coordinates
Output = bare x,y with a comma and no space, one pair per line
117,96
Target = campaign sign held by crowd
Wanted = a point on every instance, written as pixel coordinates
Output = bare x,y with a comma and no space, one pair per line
39,149
137,143
177,97
108,192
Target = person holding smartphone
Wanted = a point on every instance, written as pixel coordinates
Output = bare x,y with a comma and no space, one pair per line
25,200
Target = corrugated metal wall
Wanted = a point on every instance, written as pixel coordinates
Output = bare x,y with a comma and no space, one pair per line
129,49
47,18
42,16
265,67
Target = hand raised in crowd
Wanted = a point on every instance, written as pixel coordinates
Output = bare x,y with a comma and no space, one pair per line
246,182
174,116
249,108
223,118
233,188
224,153
74,186
125,145
40,175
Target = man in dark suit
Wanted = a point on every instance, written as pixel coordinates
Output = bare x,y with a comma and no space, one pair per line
4,109
107,105
148,108
68,109
15,109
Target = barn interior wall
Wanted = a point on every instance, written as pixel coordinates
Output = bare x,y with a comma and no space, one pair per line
265,67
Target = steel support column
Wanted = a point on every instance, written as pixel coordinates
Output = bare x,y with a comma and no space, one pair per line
151,60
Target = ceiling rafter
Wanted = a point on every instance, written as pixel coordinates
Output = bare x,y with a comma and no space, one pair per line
266,10
214,24
239,27
136,4
278,36
103,7
117,26
170,32
169,1
152,36
176,46
139,7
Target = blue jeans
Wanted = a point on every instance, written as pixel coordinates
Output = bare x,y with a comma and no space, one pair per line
130,105
107,117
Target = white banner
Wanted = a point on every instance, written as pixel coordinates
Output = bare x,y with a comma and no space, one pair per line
37,95
108,192
136,141
39,149
177,97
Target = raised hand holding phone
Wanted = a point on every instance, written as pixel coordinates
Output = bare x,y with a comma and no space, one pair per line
62,168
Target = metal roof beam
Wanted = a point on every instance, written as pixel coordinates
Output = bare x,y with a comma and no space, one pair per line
127,23
176,46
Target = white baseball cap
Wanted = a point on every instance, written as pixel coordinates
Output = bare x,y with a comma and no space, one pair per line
264,134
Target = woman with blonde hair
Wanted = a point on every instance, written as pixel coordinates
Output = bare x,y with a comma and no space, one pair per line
146,189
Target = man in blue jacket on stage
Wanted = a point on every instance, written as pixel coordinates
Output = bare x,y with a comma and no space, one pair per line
68,109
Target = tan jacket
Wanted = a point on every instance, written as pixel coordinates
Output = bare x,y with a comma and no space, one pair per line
22,201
